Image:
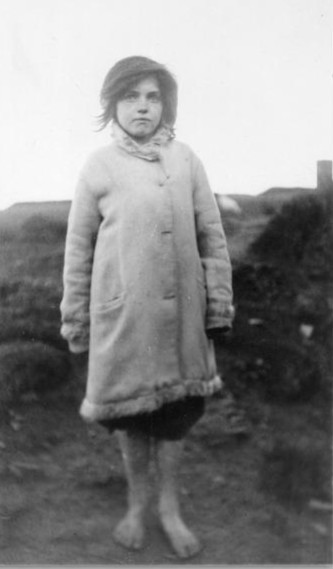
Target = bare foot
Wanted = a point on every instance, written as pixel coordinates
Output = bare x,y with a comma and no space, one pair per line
130,532
182,539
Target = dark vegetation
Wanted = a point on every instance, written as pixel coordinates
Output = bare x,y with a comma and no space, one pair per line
270,433
280,349
283,292
28,367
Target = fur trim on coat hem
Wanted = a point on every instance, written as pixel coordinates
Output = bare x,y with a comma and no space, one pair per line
92,412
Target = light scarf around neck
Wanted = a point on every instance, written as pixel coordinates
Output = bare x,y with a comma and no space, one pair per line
147,151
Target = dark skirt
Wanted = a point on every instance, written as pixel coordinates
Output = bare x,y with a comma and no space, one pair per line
171,422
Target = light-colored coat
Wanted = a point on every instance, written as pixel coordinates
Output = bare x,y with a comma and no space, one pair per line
146,273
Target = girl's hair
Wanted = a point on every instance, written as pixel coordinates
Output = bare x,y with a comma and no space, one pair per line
129,71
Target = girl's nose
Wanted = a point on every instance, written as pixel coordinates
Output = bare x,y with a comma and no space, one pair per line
142,105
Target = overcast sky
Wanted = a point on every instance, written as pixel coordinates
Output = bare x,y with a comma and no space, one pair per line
255,81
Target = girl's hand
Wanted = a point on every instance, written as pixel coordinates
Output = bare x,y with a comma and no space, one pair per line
218,334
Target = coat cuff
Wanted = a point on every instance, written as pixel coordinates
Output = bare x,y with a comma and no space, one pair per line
78,347
77,336
221,320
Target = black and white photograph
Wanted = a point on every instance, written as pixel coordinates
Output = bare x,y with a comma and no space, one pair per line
166,282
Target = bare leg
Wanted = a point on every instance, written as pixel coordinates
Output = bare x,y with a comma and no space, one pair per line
135,452
183,541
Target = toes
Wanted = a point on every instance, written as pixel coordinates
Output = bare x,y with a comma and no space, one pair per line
130,534
186,546
183,541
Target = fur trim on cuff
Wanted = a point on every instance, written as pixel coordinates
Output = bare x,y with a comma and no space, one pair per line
225,318
75,334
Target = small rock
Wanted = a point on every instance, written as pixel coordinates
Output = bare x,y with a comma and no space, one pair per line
15,425
306,330
13,469
238,430
2,445
319,505
15,415
320,528
255,321
219,480
26,466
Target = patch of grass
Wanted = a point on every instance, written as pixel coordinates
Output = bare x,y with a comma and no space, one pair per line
294,474
284,284
14,219
300,233
30,366
43,228
30,310
32,353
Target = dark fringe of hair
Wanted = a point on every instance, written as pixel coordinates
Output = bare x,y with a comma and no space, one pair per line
112,92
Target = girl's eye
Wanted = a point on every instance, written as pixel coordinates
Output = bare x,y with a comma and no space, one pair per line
155,97
130,96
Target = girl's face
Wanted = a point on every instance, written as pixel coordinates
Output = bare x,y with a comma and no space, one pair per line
139,111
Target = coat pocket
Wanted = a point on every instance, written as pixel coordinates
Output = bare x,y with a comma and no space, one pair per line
109,304
107,325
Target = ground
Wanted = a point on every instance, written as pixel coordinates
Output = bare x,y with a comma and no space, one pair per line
63,491
255,482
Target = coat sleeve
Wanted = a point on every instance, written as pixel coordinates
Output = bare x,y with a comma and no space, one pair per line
83,224
213,252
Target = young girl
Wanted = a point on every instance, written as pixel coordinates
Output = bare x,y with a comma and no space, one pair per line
147,286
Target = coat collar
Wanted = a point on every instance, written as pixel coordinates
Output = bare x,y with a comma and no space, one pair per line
151,150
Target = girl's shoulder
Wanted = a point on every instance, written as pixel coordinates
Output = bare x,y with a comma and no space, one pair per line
179,146
98,161
98,155
183,150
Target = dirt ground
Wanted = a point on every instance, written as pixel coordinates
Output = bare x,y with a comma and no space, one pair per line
63,490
